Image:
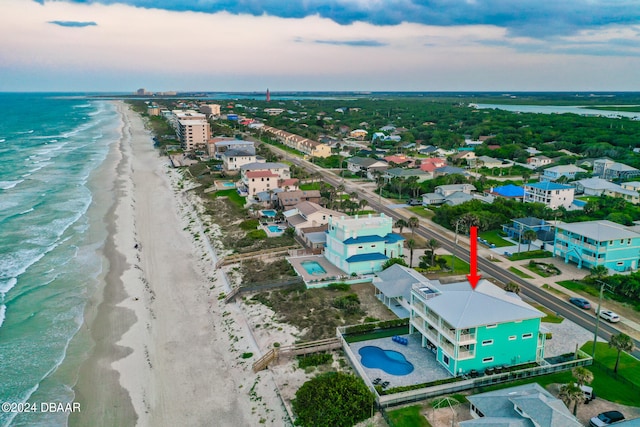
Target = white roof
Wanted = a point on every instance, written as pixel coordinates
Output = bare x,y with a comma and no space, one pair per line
463,307
599,230
598,184
565,169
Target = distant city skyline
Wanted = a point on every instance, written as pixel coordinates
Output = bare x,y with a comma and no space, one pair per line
320,45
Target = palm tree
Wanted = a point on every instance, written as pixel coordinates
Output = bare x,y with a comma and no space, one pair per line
598,272
362,204
401,224
530,235
582,375
413,223
571,393
512,287
469,220
620,342
432,245
411,244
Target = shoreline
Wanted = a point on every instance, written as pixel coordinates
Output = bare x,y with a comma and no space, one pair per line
167,350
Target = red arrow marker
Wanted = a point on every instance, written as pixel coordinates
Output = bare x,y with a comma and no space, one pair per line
473,275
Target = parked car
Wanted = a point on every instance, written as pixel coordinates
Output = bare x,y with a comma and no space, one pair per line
415,202
606,418
609,316
589,395
580,302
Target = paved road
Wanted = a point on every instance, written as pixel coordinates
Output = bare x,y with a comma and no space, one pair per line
563,308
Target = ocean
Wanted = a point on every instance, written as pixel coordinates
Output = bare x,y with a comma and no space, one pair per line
51,236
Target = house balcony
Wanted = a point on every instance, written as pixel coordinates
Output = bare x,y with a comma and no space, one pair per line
448,347
467,338
423,291
424,330
466,354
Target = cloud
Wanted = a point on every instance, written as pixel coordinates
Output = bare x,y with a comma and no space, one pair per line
534,18
365,43
74,23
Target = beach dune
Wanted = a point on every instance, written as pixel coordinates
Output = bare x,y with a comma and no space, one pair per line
167,350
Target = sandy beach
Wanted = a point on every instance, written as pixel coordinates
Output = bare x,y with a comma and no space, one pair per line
167,350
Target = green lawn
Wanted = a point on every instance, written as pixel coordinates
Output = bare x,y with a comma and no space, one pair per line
493,236
421,211
409,416
461,267
605,384
309,186
530,255
232,194
520,273
576,286
382,333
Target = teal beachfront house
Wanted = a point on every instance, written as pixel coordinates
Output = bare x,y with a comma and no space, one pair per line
476,329
595,243
362,244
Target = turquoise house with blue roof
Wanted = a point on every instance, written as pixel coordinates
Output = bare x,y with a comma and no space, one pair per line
362,244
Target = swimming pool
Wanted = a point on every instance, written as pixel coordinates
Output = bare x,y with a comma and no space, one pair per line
228,184
313,268
275,229
269,213
392,362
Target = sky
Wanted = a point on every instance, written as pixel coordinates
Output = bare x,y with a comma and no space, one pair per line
320,45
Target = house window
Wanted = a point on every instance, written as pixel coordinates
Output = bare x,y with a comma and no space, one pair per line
527,336
512,337
487,342
373,246
619,263
492,326
487,360
359,247
445,359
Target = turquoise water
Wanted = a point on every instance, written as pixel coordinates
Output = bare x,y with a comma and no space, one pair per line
269,213
392,362
313,268
49,244
275,229
229,184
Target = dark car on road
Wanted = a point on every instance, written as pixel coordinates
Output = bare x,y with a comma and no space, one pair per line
580,302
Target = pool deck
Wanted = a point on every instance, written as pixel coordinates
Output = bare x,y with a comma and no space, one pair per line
426,368
331,270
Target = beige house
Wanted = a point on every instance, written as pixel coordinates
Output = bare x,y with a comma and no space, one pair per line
300,143
210,109
259,177
539,161
358,133
306,215
551,194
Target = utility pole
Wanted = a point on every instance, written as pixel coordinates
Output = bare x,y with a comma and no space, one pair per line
595,333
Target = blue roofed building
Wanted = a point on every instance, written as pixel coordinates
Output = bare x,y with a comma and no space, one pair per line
362,244
509,191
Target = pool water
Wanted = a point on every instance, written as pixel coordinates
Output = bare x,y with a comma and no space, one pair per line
313,268
392,362
275,229
269,213
229,184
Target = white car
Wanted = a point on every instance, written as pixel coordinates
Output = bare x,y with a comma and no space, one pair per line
609,316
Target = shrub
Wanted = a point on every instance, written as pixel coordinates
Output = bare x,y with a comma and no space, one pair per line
339,286
314,360
247,355
250,224
257,234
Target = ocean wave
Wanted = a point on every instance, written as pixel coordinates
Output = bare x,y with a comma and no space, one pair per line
7,285
3,310
2,140
6,185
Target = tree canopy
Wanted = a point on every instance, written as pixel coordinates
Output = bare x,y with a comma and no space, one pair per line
333,399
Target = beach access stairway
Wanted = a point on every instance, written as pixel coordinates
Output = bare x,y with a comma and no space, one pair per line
296,350
264,253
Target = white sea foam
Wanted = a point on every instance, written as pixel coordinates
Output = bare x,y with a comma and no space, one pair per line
2,140
6,285
5,185
3,310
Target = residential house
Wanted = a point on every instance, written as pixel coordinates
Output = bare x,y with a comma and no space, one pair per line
362,244
210,109
528,405
539,161
632,185
463,156
447,190
556,172
509,191
432,163
218,145
595,243
259,177
602,187
519,226
306,215
489,162
367,165
453,194
455,323
358,134
549,193
608,169
449,170
400,160
428,150
288,199
393,287
233,159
